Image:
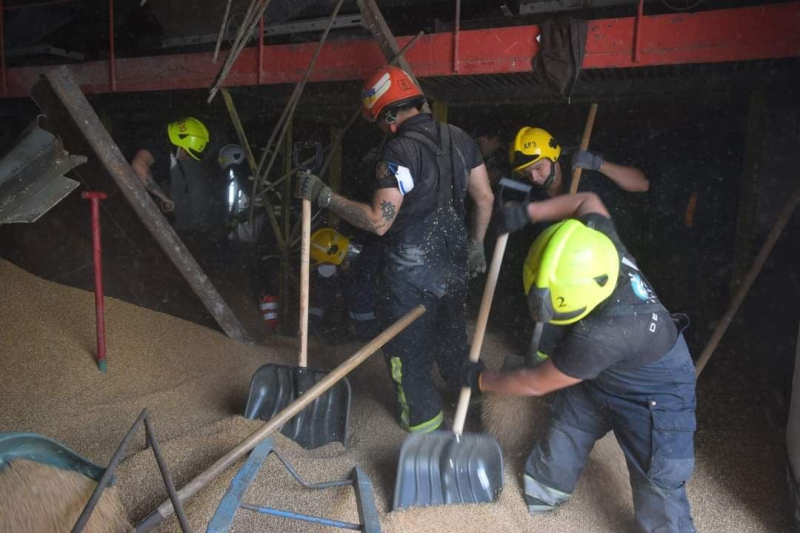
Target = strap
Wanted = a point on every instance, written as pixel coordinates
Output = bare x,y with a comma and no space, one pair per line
443,162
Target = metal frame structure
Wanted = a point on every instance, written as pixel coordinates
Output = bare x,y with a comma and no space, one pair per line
739,34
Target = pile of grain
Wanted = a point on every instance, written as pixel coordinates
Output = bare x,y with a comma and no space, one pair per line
195,382
35,497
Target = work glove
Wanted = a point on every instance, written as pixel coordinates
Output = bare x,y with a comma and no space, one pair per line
477,259
513,217
470,374
310,187
587,160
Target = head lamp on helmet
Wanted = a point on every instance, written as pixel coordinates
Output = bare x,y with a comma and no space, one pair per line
191,135
570,270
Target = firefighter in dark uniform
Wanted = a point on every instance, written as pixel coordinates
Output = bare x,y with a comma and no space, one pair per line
154,160
615,355
423,178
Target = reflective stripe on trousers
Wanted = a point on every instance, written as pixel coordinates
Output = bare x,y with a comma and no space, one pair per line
654,426
423,427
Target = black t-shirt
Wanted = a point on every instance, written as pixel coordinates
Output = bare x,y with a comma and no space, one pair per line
627,331
412,167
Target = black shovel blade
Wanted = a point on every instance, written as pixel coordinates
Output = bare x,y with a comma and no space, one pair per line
441,468
324,420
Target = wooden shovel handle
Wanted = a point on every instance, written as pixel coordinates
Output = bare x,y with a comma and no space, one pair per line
193,487
480,328
305,260
587,134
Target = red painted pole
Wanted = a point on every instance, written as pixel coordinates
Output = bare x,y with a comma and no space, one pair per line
94,198
261,51
3,49
112,62
638,31
456,35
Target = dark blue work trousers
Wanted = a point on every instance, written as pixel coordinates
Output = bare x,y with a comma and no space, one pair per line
435,277
651,410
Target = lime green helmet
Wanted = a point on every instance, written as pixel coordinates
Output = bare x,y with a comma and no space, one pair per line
570,270
189,134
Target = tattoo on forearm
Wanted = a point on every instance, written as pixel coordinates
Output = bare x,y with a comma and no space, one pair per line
388,211
358,215
351,212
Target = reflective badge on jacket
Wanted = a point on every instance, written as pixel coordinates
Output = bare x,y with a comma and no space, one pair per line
405,182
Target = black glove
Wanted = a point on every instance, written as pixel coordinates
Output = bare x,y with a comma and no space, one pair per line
310,187
587,160
513,217
470,372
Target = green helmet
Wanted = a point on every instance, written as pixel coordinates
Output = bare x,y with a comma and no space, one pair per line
189,134
570,269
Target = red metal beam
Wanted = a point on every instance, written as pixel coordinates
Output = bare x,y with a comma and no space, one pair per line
712,36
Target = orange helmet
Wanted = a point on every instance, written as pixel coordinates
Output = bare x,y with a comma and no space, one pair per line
388,87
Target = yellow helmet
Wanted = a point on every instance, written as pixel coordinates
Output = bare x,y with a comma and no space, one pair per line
530,145
189,134
329,246
569,270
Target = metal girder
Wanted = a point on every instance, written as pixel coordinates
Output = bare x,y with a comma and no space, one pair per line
72,118
739,34
376,24
300,26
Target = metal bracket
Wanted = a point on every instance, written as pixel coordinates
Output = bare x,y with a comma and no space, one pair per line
232,501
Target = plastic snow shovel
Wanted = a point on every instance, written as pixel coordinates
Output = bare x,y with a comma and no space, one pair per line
441,468
275,386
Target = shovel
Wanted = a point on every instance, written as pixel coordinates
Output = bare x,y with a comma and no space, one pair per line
191,488
275,386
441,468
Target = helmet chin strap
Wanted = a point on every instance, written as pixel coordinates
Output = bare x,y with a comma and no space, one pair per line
550,179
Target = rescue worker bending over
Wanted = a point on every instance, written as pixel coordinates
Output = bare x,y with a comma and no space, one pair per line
614,354
154,160
422,179
537,156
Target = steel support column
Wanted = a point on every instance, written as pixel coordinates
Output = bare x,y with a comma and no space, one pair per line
112,65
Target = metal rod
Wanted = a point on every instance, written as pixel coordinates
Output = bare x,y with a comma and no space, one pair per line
3,50
748,281
165,475
456,35
638,31
97,256
221,31
240,133
107,475
299,91
165,509
261,50
233,55
303,517
112,61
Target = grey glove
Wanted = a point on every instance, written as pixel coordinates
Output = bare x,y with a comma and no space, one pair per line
587,160
477,259
310,187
